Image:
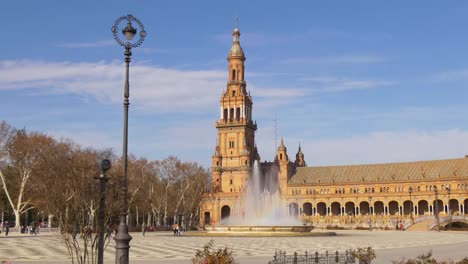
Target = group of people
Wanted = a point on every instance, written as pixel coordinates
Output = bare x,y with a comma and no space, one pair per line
33,228
30,229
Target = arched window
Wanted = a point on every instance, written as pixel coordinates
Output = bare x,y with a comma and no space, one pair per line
281,156
231,114
238,111
233,75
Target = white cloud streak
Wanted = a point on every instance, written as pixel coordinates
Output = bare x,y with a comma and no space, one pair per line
455,75
327,84
96,44
151,87
336,60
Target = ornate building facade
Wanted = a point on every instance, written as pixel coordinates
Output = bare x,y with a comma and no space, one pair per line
379,195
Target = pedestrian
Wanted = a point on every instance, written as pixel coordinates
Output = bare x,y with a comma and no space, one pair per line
143,229
7,228
175,228
33,229
402,227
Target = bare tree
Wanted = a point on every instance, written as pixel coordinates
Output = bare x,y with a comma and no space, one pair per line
25,151
168,173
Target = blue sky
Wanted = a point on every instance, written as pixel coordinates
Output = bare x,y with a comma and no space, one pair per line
354,81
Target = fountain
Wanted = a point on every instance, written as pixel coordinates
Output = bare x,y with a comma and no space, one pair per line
261,210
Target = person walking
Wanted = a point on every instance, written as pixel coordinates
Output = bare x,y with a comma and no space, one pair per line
175,227
7,228
33,229
143,229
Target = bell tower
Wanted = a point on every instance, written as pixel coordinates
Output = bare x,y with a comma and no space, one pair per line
235,150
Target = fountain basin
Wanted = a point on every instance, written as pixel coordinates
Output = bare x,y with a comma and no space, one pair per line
259,229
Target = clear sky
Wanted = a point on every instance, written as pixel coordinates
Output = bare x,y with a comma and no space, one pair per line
353,81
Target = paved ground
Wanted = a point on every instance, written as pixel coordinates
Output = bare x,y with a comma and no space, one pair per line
162,247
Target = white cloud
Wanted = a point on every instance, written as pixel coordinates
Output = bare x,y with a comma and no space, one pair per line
336,60
329,84
384,147
150,87
455,75
96,44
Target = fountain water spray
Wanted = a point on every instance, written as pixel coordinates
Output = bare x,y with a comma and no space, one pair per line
261,204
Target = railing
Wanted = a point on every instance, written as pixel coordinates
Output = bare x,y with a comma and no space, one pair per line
449,218
281,258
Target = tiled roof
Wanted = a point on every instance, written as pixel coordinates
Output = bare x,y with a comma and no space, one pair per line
418,170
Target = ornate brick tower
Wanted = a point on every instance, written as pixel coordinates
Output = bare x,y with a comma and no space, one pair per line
235,150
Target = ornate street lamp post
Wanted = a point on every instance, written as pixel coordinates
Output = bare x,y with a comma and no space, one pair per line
436,193
411,204
122,239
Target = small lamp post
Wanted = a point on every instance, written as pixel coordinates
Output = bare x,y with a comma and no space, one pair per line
436,193
449,191
105,166
411,204
122,239
370,213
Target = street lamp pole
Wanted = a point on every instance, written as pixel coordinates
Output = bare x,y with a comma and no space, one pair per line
122,238
105,166
436,193
411,202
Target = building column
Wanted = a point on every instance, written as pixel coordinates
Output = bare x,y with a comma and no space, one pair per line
416,210
460,208
342,211
356,210
431,212
385,209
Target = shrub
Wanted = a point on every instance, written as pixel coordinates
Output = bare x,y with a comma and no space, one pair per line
428,259
364,255
208,255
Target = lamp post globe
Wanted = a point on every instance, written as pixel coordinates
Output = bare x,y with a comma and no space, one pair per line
122,238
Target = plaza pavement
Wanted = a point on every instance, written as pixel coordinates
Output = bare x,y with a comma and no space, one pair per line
162,247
